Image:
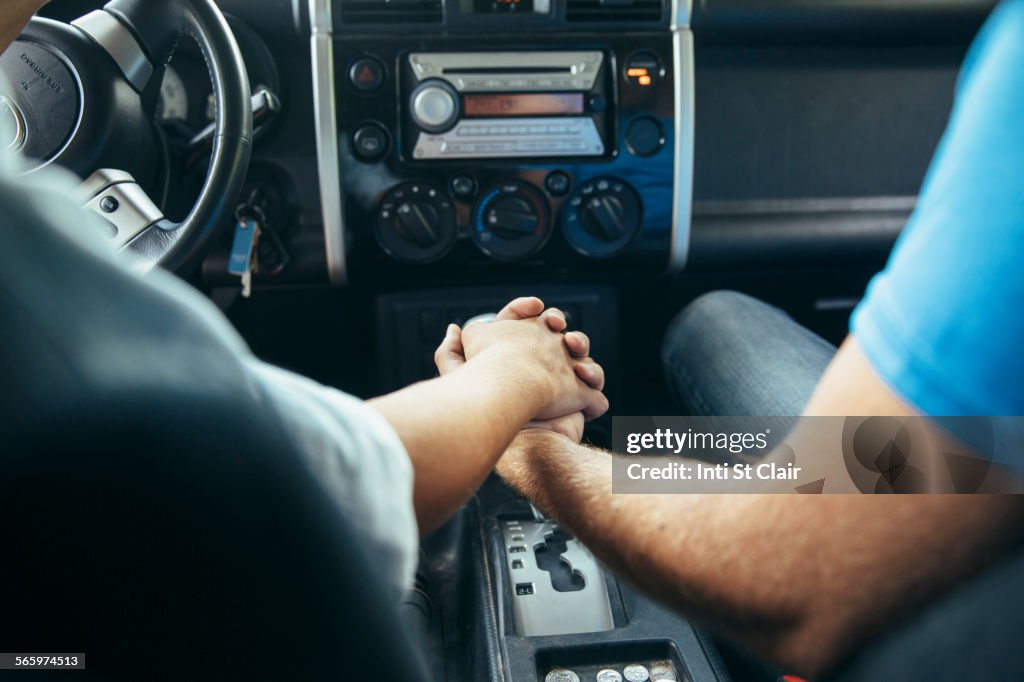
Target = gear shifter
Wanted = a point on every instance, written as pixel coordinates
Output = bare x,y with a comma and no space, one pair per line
557,586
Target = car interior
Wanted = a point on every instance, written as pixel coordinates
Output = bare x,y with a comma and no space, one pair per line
413,163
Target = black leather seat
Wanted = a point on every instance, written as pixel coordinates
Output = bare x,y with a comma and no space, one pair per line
169,536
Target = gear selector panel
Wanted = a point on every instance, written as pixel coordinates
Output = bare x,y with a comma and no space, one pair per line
556,584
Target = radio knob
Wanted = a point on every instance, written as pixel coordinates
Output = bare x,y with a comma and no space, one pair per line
435,106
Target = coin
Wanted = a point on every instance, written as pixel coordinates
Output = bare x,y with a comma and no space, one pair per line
636,673
562,675
662,671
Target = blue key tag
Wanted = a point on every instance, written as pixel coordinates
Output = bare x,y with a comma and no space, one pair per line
246,233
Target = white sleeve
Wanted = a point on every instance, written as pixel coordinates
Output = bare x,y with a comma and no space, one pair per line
360,461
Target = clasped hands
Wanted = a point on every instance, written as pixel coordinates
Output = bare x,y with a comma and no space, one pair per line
555,367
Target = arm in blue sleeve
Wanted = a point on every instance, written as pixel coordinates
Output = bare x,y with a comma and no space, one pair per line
943,325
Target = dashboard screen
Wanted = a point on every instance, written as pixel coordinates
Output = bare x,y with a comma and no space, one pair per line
534,104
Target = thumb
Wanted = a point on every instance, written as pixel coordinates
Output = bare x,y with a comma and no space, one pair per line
522,309
450,354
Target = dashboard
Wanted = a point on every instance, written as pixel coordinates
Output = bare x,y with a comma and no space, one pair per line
449,142
432,137
467,147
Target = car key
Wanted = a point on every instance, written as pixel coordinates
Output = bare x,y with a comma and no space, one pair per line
254,267
244,260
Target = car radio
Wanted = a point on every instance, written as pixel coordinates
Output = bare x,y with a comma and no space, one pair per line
491,143
506,104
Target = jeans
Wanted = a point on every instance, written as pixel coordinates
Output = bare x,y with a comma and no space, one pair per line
727,354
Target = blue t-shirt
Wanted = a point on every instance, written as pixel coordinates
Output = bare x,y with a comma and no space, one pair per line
943,325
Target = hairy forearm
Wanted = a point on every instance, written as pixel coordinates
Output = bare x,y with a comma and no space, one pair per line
798,579
14,15
456,427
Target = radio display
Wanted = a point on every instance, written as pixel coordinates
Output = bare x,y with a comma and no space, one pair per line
534,104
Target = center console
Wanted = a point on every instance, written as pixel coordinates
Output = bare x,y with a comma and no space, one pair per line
489,136
506,596
474,141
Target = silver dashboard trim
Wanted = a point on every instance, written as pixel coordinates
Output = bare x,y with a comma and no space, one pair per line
685,94
327,152
119,42
682,13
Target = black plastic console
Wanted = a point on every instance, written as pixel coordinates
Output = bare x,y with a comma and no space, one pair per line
410,325
644,632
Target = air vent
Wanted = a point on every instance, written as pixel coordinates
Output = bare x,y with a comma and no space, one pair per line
614,10
391,11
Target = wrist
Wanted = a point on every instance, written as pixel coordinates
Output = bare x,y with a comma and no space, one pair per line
523,462
514,467
530,444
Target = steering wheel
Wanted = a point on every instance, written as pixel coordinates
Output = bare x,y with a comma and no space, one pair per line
82,96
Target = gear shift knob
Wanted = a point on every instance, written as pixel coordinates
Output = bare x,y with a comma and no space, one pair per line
484,318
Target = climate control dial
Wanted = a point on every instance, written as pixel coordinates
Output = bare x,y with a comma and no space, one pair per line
602,217
511,221
416,223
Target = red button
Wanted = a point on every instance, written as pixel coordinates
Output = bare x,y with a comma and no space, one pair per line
366,74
